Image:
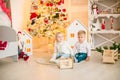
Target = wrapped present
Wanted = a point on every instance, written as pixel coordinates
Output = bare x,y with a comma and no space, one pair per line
65,63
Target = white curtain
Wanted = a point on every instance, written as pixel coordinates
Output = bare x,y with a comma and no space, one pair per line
4,19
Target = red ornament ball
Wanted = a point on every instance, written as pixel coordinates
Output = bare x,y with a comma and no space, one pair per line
51,4
45,20
29,29
41,2
64,10
47,4
59,3
65,18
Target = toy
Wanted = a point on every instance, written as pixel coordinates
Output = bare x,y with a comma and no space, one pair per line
111,23
95,9
21,47
96,26
20,42
24,56
33,15
103,24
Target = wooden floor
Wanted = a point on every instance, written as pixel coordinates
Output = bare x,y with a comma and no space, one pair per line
31,70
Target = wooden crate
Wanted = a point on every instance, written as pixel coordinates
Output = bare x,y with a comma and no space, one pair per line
65,63
110,56
118,55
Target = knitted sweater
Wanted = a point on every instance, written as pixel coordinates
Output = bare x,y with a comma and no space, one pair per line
62,47
82,48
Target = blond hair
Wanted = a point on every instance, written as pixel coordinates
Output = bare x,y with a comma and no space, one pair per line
58,34
81,32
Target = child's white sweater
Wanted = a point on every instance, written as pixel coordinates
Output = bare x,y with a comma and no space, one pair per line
62,47
82,48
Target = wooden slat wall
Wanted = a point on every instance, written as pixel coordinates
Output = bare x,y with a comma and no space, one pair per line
77,9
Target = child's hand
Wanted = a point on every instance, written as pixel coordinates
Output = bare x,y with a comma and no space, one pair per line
88,58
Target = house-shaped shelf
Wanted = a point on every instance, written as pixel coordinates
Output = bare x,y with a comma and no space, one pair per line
27,39
72,31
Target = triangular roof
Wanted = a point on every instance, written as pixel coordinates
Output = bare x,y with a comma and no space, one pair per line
73,29
25,32
76,24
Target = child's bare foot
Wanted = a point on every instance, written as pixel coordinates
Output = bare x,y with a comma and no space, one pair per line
87,59
52,60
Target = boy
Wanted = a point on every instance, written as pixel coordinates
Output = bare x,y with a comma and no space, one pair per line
82,48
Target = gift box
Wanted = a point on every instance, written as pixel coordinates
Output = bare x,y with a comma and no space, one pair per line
119,56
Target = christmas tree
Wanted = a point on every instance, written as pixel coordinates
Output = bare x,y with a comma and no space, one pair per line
47,17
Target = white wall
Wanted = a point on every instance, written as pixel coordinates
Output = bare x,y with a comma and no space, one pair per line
18,11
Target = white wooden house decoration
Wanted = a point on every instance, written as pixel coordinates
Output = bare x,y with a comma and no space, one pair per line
72,31
27,39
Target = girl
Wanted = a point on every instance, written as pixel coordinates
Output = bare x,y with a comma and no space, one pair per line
61,48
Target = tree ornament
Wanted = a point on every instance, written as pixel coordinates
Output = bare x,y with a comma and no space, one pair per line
46,20
62,1
56,15
65,18
51,4
33,15
41,2
59,3
47,4
64,10
29,29
56,9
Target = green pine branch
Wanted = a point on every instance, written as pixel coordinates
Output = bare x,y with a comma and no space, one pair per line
115,46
